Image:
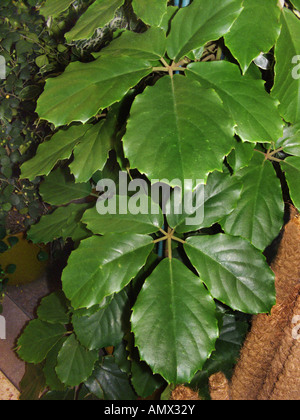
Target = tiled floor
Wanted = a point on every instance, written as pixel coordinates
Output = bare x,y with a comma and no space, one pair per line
19,307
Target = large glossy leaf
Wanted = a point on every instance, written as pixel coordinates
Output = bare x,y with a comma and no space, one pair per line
179,135
62,223
109,382
105,327
234,272
290,142
149,45
174,311
38,339
220,197
253,110
49,153
150,220
287,78
101,266
291,167
85,88
259,213
59,188
54,7
199,23
153,13
99,14
255,31
75,364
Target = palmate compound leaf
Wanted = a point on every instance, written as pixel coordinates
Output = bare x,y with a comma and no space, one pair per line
255,31
254,111
101,266
234,272
218,198
179,132
259,214
85,88
174,322
199,23
287,76
150,220
291,167
151,14
99,14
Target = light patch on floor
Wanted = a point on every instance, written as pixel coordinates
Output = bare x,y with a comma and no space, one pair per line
7,390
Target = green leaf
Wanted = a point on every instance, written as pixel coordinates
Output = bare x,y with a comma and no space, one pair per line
54,7
179,135
287,78
85,88
38,339
143,380
220,197
52,380
255,31
101,266
234,272
110,382
49,153
296,3
179,315
62,223
150,14
241,155
260,211
91,154
291,167
59,188
200,23
149,220
149,45
106,327
75,364
99,14
253,110
290,140
54,309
